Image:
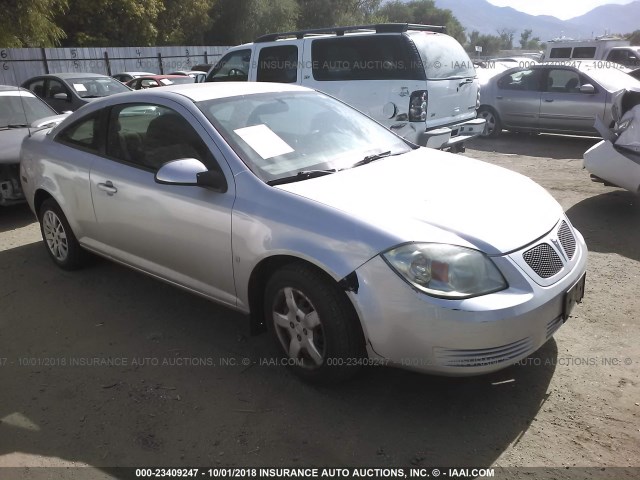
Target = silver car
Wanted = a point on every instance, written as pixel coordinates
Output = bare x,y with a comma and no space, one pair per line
349,244
552,97
20,112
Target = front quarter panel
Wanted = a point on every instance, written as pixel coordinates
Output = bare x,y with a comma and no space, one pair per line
268,221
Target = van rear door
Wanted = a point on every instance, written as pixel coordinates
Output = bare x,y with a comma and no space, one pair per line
451,79
373,73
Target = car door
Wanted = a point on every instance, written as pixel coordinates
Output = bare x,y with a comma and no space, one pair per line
517,98
564,108
179,233
58,96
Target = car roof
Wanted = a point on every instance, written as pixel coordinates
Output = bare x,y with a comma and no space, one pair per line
208,91
159,77
65,76
12,88
134,73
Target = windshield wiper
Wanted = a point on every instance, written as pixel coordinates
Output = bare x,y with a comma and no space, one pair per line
371,158
301,175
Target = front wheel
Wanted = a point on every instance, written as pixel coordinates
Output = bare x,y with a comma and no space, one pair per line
61,243
313,324
493,126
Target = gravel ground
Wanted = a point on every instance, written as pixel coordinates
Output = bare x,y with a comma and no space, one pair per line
178,391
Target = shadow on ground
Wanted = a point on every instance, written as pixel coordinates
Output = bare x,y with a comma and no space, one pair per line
15,216
111,368
608,222
543,145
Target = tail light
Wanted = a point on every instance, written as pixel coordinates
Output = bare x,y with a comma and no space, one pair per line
418,106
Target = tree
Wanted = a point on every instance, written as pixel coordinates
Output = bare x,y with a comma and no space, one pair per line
30,23
237,22
506,38
329,13
111,22
524,38
184,22
634,37
425,12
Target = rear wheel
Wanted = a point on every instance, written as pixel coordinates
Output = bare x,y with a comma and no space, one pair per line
61,243
493,126
313,324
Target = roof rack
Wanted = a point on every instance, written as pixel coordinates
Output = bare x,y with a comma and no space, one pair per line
340,31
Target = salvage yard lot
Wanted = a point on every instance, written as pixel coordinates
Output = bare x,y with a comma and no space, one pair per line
108,367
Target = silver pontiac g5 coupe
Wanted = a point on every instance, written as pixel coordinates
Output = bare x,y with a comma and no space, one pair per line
349,244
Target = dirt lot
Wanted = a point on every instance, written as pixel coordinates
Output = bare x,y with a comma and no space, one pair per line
173,399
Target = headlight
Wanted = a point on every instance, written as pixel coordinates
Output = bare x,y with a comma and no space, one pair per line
446,271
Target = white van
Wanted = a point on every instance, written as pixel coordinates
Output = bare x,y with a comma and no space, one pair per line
414,79
607,49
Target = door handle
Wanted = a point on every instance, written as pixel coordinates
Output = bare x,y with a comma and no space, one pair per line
499,97
108,187
548,100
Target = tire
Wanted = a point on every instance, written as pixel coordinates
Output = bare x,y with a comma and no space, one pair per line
59,240
493,128
323,335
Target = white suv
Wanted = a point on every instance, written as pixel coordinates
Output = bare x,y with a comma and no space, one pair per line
414,79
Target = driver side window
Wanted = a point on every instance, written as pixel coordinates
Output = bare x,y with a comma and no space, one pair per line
233,67
148,136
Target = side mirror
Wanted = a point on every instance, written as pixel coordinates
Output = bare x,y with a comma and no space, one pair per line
61,96
587,88
190,172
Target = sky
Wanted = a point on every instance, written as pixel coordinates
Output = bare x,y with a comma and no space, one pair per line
563,9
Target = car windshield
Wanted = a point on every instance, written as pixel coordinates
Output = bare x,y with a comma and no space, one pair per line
20,108
97,87
280,135
611,78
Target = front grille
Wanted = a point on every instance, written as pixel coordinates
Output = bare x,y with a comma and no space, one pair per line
567,240
483,357
543,260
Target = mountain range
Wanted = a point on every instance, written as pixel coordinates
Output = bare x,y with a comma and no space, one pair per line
486,18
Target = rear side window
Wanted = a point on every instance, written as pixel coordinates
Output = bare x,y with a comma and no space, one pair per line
380,57
584,52
560,53
523,80
278,64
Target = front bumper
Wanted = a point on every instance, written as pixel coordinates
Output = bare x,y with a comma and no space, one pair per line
451,136
461,337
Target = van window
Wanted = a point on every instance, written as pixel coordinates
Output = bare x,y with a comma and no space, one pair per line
383,57
584,52
442,56
278,64
233,67
560,53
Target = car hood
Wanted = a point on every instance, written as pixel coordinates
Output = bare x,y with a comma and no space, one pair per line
492,208
11,139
